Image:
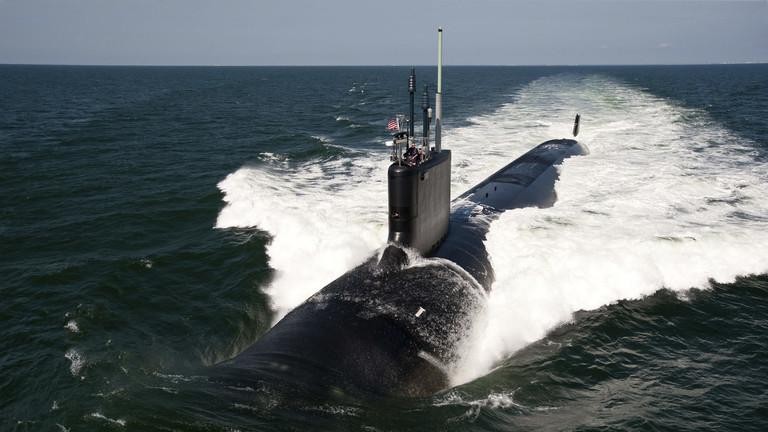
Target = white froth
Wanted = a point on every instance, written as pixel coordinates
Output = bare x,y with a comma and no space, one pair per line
102,417
324,218
77,361
72,326
659,202
667,198
493,401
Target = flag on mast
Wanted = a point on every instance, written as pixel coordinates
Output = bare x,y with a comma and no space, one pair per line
393,124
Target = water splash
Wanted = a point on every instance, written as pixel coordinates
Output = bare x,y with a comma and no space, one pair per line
667,198
325,218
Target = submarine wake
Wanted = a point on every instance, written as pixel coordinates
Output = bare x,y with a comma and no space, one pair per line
666,199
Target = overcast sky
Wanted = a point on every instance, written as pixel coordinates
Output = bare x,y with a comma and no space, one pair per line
382,32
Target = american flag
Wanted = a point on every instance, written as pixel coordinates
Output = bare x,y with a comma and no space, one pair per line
393,124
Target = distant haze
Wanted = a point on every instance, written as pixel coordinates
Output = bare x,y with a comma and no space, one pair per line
394,32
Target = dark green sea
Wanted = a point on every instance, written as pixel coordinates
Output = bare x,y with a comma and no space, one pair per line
155,221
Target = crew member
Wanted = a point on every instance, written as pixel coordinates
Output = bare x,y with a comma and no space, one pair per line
412,156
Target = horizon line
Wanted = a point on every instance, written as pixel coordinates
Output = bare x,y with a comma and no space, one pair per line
385,65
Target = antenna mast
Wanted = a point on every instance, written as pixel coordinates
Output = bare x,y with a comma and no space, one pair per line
411,91
439,95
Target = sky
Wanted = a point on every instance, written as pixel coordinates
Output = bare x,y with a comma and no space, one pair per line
382,32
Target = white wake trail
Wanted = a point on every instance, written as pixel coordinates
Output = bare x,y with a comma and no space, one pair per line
667,198
661,202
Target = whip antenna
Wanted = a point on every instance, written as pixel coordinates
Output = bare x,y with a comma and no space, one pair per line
439,95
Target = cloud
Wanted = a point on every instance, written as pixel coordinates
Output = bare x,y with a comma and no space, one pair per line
664,45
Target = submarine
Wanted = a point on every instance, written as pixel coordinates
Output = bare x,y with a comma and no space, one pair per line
394,325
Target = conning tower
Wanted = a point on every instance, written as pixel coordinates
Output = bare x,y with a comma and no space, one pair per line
420,177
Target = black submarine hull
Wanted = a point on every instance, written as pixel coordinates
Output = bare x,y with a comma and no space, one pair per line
393,325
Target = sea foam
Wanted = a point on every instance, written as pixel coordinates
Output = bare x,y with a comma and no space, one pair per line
667,198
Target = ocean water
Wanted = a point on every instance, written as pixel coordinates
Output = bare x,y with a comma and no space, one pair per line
155,221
